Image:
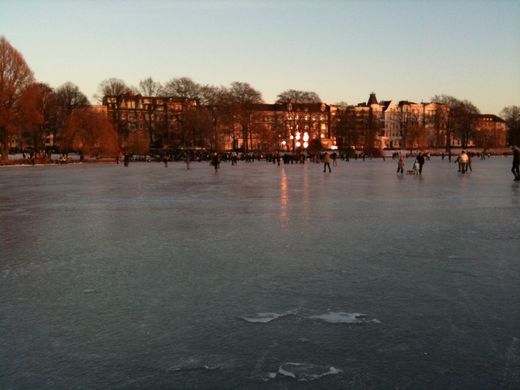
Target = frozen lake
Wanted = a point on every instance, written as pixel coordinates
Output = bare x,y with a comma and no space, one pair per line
260,277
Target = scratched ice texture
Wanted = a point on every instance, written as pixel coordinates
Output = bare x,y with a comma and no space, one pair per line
259,276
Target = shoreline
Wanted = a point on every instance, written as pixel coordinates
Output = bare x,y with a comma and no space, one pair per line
16,163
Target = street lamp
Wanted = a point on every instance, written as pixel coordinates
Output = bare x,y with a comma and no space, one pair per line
305,140
298,137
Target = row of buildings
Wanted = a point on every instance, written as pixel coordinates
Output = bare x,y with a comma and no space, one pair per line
383,125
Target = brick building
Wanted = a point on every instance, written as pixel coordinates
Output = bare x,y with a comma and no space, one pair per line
384,125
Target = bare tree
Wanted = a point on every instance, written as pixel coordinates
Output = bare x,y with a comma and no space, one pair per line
243,93
91,132
148,87
460,117
184,88
511,114
137,142
216,101
37,115
242,97
111,87
188,92
294,96
296,122
439,122
15,77
413,132
414,136
68,98
277,131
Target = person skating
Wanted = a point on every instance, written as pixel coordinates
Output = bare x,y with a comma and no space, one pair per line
234,158
463,162
516,163
416,166
326,162
400,164
215,161
420,160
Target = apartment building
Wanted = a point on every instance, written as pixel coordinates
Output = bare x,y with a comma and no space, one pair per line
157,118
383,125
405,124
489,131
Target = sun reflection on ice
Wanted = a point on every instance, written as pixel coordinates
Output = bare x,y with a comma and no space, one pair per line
284,199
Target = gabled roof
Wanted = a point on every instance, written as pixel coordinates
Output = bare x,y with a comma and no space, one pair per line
405,102
385,104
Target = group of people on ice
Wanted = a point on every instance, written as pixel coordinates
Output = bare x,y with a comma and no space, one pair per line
416,167
464,161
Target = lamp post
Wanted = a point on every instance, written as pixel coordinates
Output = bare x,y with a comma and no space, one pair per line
305,140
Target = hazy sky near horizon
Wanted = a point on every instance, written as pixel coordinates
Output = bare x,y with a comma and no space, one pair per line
342,50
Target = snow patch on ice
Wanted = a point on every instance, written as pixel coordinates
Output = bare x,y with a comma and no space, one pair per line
344,318
264,318
305,372
196,364
331,317
194,368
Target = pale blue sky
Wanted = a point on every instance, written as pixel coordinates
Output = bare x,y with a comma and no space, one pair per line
343,50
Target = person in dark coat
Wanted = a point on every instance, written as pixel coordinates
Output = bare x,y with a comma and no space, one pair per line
215,161
516,163
420,160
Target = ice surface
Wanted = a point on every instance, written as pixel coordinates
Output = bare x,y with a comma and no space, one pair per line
114,275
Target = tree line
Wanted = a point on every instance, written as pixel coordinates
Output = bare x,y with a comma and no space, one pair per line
63,119
217,110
